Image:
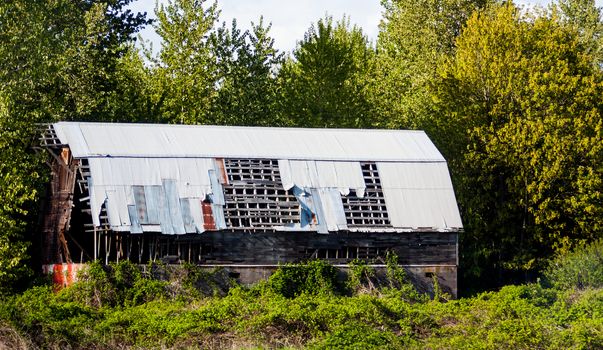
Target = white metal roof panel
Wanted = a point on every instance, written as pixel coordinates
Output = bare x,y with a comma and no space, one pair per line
419,195
344,176
88,140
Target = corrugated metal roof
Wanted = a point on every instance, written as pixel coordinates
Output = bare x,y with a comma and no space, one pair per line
419,195
170,179
154,140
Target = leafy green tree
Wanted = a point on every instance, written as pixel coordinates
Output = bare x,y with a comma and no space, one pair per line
18,177
59,57
185,74
414,38
520,103
247,86
325,84
585,17
57,62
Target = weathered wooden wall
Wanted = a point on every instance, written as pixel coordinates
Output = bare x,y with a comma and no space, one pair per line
420,248
57,215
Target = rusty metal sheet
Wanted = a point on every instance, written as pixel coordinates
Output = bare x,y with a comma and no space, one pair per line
222,171
208,217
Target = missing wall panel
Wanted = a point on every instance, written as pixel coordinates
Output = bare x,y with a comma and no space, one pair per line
370,210
254,196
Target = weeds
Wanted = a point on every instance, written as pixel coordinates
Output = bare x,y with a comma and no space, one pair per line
300,306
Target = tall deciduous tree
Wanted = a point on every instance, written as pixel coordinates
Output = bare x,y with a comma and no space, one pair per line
525,96
585,17
325,83
57,61
185,76
414,37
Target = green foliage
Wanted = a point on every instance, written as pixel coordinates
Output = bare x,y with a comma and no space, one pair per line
314,277
184,77
525,316
581,268
120,284
325,83
58,63
358,336
360,275
211,75
414,38
247,91
521,110
585,17
395,273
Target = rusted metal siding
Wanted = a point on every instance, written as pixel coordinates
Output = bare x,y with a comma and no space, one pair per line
63,275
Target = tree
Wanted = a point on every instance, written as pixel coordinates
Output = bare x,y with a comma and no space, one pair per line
185,75
585,17
524,98
58,61
246,64
414,37
59,57
325,84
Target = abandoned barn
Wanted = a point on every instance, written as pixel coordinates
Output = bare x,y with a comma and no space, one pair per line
248,198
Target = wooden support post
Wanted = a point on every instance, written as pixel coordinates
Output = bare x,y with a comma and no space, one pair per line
58,212
95,244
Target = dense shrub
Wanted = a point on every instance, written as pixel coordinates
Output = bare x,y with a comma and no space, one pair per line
581,268
314,277
140,311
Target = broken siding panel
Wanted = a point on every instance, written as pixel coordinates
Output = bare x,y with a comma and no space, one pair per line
154,198
187,217
344,176
333,209
135,226
196,214
96,202
173,206
218,214
308,211
141,204
119,174
217,195
319,209
111,204
157,208
97,193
